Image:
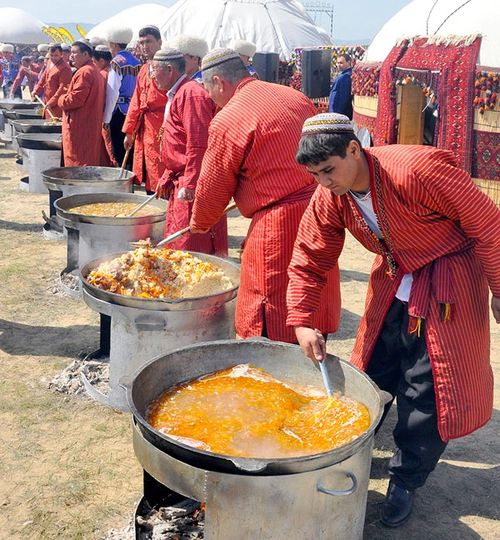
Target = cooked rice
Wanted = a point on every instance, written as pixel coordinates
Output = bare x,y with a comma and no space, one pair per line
159,273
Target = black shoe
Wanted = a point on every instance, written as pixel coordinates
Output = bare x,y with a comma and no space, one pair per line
397,506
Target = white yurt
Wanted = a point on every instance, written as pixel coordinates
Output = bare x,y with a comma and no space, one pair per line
438,84
19,27
277,26
135,17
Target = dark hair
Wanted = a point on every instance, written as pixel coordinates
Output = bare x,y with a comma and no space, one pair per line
55,47
179,64
105,55
122,46
347,57
317,147
150,31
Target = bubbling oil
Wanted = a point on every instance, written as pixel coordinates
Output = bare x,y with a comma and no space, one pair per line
244,411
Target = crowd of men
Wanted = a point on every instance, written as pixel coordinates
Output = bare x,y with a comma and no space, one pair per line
205,130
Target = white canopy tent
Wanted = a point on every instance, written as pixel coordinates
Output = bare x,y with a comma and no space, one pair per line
18,26
443,18
135,17
273,25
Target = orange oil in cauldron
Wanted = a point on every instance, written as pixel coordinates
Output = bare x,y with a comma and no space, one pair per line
244,411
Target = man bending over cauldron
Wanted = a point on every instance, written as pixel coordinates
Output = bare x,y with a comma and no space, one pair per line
424,336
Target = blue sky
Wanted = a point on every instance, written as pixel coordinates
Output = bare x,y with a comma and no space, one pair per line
353,20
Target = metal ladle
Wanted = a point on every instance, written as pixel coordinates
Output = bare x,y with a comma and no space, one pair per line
142,205
326,378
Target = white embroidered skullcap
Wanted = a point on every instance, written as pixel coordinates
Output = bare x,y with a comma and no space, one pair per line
188,44
246,48
120,35
65,47
96,40
86,43
7,47
102,48
165,55
327,123
217,57
43,47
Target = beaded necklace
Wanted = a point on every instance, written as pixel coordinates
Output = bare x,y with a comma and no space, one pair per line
384,245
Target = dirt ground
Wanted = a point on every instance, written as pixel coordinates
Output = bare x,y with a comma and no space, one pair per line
67,467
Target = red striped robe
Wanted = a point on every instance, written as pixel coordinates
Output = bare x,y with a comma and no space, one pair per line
445,231
251,157
184,143
83,107
54,83
144,119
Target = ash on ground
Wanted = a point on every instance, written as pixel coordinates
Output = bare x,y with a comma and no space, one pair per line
69,381
182,521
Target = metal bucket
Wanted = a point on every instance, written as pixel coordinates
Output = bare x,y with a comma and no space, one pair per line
143,328
318,497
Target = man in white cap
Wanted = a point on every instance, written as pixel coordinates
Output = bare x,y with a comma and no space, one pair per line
424,336
126,66
185,132
194,49
246,50
83,107
54,81
145,116
10,70
251,157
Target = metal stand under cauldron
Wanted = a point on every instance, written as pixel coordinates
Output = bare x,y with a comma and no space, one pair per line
141,329
42,151
320,497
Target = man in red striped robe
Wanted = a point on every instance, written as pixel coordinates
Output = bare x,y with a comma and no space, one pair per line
83,107
145,116
187,117
424,336
54,81
250,157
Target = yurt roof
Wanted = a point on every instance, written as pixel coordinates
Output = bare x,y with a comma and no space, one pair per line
273,25
443,18
135,17
18,26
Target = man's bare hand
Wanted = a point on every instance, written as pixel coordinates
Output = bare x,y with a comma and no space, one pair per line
128,141
311,342
495,308
186,194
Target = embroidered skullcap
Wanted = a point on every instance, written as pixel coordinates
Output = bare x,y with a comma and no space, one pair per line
44,47
327,123
165,55
50,46
7,47
150,29
96,40
65,47
120,35
246,48
102,48
217,57
39,59
86,43
188,44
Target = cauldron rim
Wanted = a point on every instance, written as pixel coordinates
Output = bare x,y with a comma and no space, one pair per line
239,465
62,204
153,304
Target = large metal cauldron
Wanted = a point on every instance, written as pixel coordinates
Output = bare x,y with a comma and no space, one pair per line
40,141
142,328
38,125
11,104
318,497
76,180
90,237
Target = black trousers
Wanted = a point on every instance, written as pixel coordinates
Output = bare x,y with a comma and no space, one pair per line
400,365
117,138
